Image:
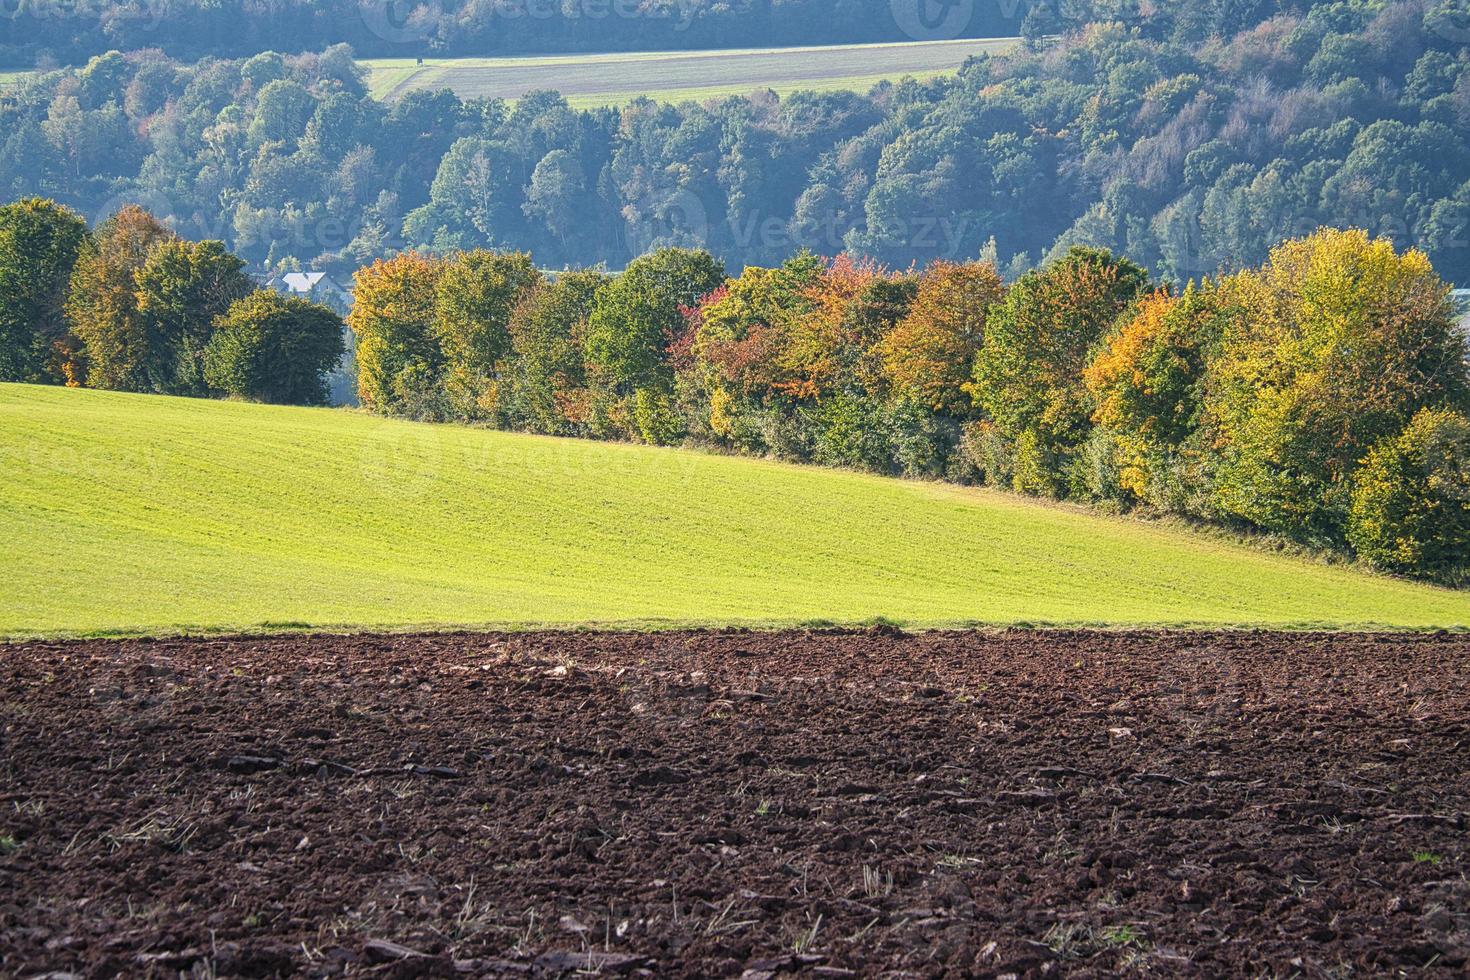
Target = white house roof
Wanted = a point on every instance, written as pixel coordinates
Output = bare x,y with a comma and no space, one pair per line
302,282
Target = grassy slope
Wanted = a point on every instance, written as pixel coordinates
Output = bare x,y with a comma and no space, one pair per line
145,514
671,76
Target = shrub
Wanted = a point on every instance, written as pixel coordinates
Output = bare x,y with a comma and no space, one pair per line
922,443
850,433
1034,468
984,455
657,421
417,392
1411,499
274,348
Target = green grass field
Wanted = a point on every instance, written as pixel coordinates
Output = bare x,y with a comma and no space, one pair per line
142,514
10,77
675,76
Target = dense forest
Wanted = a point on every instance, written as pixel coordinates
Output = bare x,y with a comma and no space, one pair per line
1188,155
73,31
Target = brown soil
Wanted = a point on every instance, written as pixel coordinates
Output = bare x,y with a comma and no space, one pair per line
705,804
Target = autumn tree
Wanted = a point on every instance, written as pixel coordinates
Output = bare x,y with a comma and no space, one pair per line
1148,384
102,302
399,360
1331,346
929,356
274,348
39,244
1028,372
744,333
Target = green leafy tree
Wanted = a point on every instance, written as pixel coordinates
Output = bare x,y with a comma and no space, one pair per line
1411,499
1028,373
548,380
181,288
637,316
475,295
39,244
282,110
274,348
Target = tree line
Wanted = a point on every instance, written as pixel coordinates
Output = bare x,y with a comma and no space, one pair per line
132,306
1192,137
1320,397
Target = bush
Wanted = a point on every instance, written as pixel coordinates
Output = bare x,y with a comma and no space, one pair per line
850,433
657,421
418,393
1096,473
1034,468
923,443
984,456
1411,500
274,348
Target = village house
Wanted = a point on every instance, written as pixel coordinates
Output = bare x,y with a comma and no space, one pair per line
319,287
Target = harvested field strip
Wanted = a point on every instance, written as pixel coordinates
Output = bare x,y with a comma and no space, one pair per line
147,515
675,75
858,83
706,804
